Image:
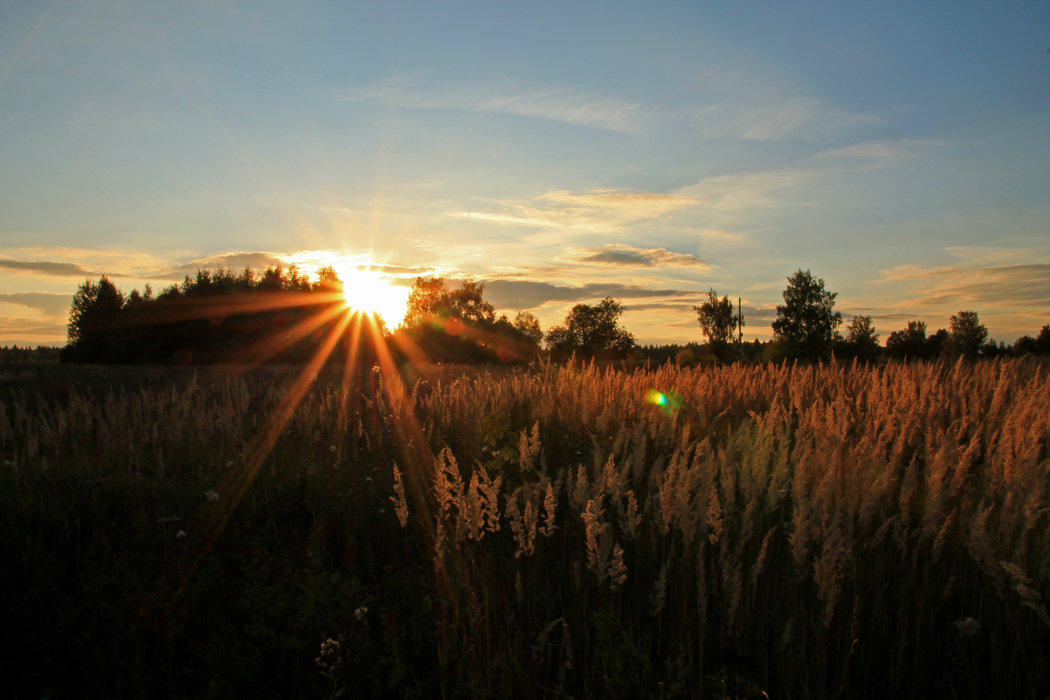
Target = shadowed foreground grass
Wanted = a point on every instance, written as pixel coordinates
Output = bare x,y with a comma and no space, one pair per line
550,532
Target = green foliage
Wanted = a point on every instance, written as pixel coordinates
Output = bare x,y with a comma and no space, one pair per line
806,320
861,341
529,327
967,334
431,302
592,331
716,318
445,324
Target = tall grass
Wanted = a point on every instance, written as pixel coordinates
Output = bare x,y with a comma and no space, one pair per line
726,532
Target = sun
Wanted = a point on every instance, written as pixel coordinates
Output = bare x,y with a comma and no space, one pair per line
365,287
371,292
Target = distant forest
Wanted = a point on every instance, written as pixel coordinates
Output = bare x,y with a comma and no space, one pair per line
282,316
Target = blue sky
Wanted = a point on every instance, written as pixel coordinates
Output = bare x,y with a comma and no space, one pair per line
558,152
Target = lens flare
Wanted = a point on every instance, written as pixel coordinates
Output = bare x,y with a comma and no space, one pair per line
657,398
668,403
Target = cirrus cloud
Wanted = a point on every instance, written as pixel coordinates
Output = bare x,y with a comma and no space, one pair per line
47,267
593,211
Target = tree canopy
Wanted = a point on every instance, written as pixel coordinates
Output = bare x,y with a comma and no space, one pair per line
806,321
592,331
211,317
282,316
861,341
909,342
716,318
432,301
93,318
456,324
967,334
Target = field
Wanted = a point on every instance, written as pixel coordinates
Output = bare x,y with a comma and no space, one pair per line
730,532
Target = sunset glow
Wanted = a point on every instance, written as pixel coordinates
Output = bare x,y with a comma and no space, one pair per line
758,140
372,292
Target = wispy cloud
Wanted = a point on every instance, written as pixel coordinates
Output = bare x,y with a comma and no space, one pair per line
569,106
31,331
594,211
798,117
90,262
739,192
986,255
307,261
235,262
526,294
872,151
505,218
1008,287
875,154
49,268
620,204
620,255
49,304
564,104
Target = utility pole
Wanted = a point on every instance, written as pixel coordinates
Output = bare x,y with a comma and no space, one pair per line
740,329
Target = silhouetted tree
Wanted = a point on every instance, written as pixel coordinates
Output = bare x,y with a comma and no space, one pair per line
208,317
1042,342
328,280
861,341
467,303
909,343
967,334
938,344
93,321
806,321
529,327
592,332
991,350
716,318
295,281
1025,345
272,279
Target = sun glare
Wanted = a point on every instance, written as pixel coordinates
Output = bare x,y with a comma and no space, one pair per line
365,288
371,292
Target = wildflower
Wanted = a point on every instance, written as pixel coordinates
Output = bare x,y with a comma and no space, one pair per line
333,449
967,627
212,495
329,659
360,613
180,535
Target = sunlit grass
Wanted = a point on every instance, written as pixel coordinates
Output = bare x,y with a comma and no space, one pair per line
724,532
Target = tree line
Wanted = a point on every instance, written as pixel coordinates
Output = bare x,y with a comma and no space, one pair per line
282,316
214,317
807,328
